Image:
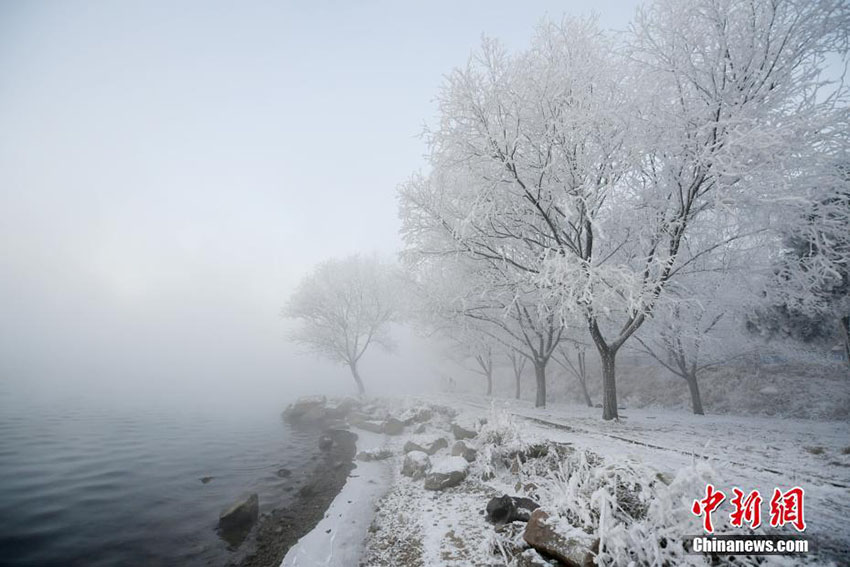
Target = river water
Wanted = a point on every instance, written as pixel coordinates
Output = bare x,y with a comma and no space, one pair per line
101,486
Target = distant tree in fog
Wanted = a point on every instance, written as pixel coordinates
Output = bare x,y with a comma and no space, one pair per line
576,365
809,297
517,365
476,303
345,306
701,323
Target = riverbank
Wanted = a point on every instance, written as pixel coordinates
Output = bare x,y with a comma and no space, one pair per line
278,530
474,482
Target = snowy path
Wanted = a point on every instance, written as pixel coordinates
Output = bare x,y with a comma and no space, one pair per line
748,452
338,539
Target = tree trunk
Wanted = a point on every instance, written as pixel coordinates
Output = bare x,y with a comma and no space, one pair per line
540,375
489,383
586,393
845,328
609,383
582,378
696,400
361,391
517,377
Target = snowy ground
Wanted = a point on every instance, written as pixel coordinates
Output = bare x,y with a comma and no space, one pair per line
747,452
338,539
629,482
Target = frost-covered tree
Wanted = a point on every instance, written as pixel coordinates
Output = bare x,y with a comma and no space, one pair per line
518,362
525,150
481,302
575,363
582,167
345,306
809,296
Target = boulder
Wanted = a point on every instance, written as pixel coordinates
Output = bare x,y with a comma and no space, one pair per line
530,558
326,442
416,415
374,455
461,449
310,408
447,473
506,509
574,549
427,444
462,433
393,426
421,428
343,408
416,464
366,425
238,519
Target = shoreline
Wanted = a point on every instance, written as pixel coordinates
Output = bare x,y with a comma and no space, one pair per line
339,538
277,531
435,475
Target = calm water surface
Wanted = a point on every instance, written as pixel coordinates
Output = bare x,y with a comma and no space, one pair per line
99,486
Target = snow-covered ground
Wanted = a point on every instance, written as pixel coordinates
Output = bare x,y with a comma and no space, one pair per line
338,539
747,452
629,483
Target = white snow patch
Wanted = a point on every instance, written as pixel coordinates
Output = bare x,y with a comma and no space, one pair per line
338,539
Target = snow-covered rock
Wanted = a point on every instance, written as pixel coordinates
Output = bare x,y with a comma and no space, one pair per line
309,408
461,449
416,415
505,509
416,464
460,432
374,455
574,549
448,472
366,424
426,443
393,426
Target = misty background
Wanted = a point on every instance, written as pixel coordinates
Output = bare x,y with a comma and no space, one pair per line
168,172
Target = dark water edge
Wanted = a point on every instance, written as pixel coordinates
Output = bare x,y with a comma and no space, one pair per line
279,530
97,487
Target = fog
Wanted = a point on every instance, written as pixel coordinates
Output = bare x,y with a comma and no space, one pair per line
169,172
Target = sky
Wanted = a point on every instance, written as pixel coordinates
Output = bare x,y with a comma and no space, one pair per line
170,170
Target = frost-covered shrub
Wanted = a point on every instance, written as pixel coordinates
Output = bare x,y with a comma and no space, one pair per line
639,518
501,434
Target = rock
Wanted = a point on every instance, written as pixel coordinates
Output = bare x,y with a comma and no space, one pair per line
416,415
367,425
506,509
440,443
416,464
574,549
426,444
374,455
343,408
461,449
462,433
530,558
206,479
393,426
447,473
284,473
326,442
239,518
310,408
421,428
